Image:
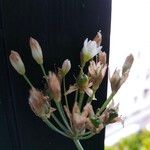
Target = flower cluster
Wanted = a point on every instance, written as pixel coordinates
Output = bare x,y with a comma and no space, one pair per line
79,121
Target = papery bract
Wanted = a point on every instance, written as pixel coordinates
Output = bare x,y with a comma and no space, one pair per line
54,86
39,104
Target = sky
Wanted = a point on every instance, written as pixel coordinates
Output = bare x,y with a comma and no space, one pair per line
130,33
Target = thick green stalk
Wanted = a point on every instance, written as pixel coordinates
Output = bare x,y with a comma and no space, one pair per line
81,98
78,144
106,103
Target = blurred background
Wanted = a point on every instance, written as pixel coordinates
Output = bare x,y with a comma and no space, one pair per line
130,33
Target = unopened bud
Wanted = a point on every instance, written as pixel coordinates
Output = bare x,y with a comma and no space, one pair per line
83,81
54,86
102,57
65,67
36,51
16,62
115,81
127,64
98,38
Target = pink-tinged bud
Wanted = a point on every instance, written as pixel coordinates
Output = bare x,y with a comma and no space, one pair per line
16,62
78,120
36,51
102,57
127,64
98,38
97,72
66,66
87,109
39,104
115,80
54,86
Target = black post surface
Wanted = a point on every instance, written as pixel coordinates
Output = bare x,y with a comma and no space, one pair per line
60,26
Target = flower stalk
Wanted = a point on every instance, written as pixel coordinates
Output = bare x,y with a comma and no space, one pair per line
78,144
50,125
106,103
28,81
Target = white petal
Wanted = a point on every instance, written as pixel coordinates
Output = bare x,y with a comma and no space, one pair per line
72,88
89,92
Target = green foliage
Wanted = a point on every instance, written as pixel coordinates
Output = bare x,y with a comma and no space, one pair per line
138,141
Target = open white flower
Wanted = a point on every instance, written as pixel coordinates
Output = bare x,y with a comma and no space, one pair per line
90,48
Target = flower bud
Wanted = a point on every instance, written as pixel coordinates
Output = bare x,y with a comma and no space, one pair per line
127,64
66,66
83,81
54,86
16,62
39,104
102,57
115,80
36,51
78,120
98,38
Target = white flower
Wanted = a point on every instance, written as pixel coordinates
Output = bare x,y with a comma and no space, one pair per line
16,62
36,51
89,50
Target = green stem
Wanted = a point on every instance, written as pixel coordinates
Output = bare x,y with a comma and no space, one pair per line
28,81
76,96
59,123
106,103
62,114
43,70
87,136
66,100
78,144
81,97
50,125
84,134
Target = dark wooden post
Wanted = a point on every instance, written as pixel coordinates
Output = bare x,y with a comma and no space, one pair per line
60,26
